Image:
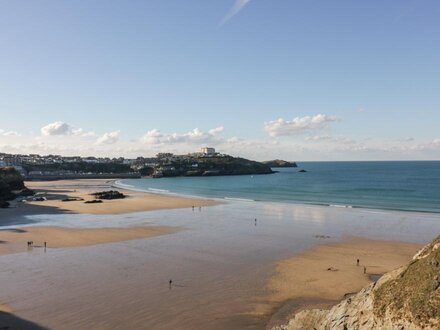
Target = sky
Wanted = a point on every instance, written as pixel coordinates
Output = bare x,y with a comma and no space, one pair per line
292,79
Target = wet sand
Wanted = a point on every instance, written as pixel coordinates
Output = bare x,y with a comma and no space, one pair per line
15,240
135,201
325,274
222,266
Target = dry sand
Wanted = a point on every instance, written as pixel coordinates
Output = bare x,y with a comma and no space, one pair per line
55,191
321,276
15,240
5,308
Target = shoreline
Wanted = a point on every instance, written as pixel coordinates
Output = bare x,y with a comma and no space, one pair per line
119,185
55,191
291,276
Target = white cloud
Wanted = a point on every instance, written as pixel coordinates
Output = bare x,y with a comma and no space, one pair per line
329,138
152,137
196,135
109,138
238,5
155,137
281,127
8,133
216,131
62,128
56,128
316,138
407,139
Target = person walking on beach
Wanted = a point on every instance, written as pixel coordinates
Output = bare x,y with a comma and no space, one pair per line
170,283
45,244
193,207
365,270
357,263
255,221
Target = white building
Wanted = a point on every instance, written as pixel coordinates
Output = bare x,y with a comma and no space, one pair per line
208,151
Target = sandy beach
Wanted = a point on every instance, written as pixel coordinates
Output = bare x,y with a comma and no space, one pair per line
230,272
323,275
15,240
135,201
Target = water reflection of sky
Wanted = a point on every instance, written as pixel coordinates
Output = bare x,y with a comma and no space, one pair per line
274,218
220,262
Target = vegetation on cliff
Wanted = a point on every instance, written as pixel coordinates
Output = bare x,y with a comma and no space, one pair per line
406,298
10,181
212,166
414,295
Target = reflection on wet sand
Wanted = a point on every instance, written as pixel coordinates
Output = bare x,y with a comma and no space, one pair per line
219,266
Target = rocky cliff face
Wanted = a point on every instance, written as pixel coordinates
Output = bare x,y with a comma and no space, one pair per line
10,180
407,298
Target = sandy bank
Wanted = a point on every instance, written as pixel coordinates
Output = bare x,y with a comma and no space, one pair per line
323,275
55,191
15,240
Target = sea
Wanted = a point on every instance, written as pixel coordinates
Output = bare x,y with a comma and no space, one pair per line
388,185
222,257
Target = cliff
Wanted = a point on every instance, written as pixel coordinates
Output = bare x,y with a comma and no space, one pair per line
406,298
10,181
211,166
280,163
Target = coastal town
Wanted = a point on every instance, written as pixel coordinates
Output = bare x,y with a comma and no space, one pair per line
206,162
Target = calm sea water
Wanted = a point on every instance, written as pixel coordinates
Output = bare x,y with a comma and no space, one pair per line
406,185
411,186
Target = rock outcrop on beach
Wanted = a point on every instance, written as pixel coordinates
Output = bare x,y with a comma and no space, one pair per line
406,298
280,163
110,194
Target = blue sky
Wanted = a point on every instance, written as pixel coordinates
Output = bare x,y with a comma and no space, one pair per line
302,80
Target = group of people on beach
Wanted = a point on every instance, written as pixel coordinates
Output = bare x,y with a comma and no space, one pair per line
365,268
31,244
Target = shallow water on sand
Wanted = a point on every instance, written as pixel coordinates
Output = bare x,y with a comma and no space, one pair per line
219,264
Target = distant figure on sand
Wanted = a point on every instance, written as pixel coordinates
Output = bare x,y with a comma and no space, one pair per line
171,283
45,244
357,263
255,221
365,270
193,207
200,208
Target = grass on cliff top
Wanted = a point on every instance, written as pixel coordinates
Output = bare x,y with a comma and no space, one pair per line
413,294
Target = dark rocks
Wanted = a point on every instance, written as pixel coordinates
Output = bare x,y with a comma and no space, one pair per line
26,192
72,199
302,171
4,205
95,201
111,194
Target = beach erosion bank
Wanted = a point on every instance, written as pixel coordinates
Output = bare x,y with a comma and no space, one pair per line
230,271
